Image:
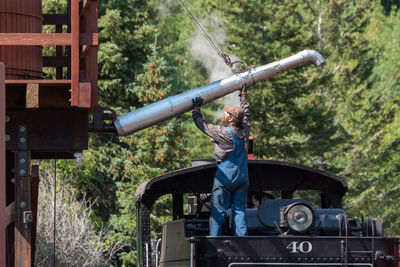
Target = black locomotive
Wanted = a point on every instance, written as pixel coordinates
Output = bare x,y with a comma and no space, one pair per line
295,218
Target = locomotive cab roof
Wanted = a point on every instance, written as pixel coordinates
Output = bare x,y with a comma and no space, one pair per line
264,175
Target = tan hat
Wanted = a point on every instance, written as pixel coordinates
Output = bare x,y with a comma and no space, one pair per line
236,112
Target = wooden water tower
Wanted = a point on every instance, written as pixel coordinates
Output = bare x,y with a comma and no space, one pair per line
41,116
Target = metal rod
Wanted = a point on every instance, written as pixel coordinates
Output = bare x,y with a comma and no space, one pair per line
191,252
147,254
157,246
2,166
176,105
55,211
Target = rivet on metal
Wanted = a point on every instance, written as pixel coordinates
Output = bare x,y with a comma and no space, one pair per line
22,204
22,161
22,172
8,138
13,180
7,118
22,140
22,129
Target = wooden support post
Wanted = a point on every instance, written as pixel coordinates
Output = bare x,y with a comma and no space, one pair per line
2,166
74,53
59,53
90,27
23,209
10,214
32,95
34,200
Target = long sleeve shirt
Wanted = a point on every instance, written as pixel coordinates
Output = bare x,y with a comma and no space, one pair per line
223,143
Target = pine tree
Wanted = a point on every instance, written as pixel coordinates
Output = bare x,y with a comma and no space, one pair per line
147,154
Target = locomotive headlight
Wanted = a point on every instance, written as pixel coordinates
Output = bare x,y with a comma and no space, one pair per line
299,217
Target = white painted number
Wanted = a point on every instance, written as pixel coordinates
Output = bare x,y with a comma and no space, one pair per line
303,247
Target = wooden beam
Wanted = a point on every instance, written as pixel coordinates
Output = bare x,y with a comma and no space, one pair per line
22,231
10,213
59,53
89,24
55,61
85,94
86,5
3,193
55,19
46,82
51,129
32,95
91,39
48,39
74,53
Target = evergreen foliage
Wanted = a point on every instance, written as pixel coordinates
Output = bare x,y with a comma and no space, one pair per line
343,118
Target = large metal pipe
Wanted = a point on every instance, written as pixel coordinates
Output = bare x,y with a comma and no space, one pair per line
175,105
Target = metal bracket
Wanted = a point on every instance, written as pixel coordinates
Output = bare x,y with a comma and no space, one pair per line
22,151
27,218
22,137
103,119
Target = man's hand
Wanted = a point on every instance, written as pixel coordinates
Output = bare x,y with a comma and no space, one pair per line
197,102
243,91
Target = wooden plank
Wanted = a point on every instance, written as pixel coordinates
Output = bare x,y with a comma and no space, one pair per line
46,82
48,39
55,19
32,95
10,214
52,95
59,53
55,61
52,155
3,193
22,234
74,53
85,95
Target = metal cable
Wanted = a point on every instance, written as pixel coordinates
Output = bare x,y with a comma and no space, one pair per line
209,38
55,210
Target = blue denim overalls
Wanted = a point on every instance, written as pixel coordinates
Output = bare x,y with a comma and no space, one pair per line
230,190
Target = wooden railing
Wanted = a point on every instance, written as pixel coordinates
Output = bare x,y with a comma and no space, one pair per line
83,42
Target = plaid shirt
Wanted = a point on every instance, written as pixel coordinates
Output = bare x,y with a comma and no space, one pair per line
223,143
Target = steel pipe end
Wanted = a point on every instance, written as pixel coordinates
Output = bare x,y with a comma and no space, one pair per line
119,128
314,57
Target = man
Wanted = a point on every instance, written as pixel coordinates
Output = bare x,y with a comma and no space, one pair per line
231,179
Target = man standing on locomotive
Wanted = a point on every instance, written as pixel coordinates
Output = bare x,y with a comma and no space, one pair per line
231,179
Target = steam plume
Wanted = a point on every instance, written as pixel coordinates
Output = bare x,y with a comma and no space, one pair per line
203,52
